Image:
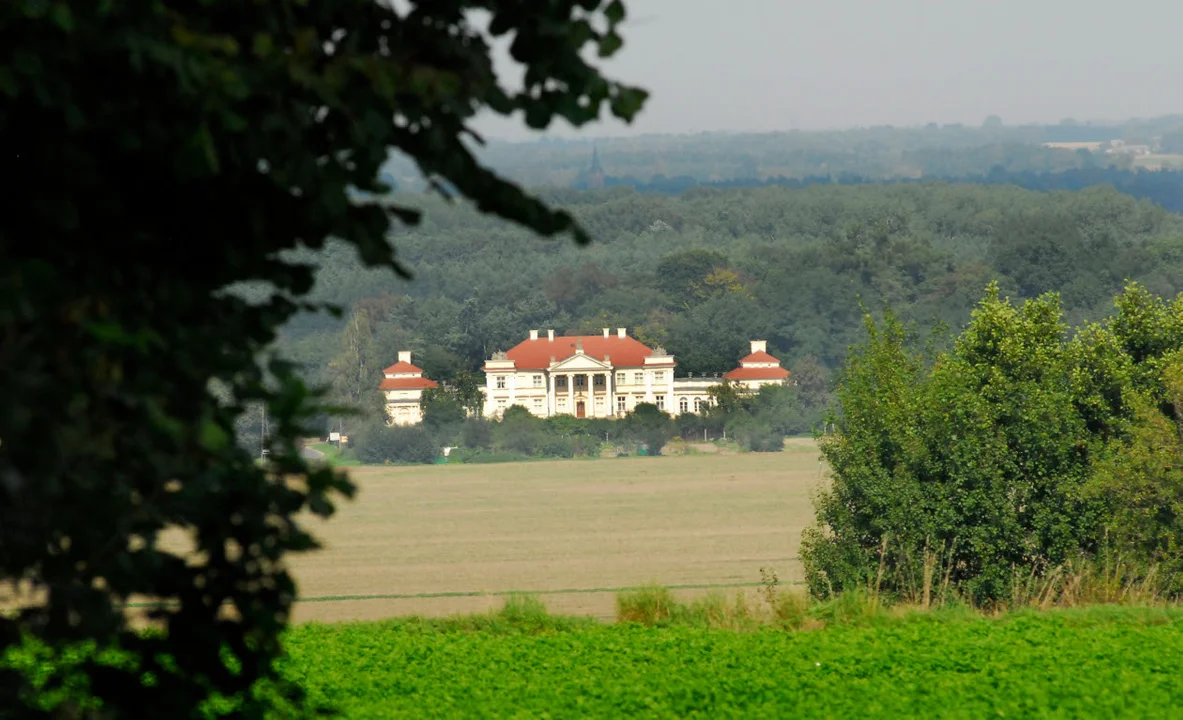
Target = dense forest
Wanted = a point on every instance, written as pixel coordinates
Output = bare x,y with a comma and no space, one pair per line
704,272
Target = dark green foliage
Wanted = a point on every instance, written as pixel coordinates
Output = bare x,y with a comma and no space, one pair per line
648,427
755,435
165,155
679,275
378,443
477,434
796,265
442,408
1019,450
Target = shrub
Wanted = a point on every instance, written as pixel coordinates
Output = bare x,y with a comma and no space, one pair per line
986,454
476,433
755,434
648,425
378,443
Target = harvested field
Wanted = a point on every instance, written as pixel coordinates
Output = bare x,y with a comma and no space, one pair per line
445,539
437,540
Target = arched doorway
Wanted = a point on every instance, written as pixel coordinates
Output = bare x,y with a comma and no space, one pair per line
580,409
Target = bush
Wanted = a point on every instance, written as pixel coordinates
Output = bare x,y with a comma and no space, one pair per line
379,443
755,434
648,425
984,457
476,433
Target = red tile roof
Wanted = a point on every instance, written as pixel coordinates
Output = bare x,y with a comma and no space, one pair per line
402,367
621,351
413,383
759,357
766,373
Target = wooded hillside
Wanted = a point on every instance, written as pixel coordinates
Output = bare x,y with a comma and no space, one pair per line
704,272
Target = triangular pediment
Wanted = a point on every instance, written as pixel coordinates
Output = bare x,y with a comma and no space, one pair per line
579,361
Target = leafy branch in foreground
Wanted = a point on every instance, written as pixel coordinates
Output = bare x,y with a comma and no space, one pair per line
161,154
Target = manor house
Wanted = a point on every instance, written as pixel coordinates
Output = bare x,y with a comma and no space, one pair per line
606,376
603,376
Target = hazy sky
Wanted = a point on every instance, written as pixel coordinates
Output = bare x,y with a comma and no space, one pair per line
763,65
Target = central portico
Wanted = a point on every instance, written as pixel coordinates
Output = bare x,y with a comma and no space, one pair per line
580,385
599,376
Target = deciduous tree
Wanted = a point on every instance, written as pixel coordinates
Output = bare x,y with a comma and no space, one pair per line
164,154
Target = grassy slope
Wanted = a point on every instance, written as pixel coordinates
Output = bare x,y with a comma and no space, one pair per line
1098,662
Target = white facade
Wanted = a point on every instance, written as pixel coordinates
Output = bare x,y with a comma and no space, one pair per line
403,385
576,375
589,376
582,382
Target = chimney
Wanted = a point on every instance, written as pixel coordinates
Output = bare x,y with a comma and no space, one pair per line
605,332
552,359
579,345
620,333
550,335
759,346
404,356
533,334
607,359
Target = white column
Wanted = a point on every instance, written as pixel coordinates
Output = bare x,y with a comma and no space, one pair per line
512,382
571,393
610,387
550,394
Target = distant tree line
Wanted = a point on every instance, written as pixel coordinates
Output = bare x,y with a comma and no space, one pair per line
1163,187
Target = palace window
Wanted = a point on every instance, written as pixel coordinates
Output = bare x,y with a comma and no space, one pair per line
659,376
683,405
500,382
537,381
598,381
501,404
697,405
561,382
619,378
621,403
639,378
580,382
562,403
537,405
660,402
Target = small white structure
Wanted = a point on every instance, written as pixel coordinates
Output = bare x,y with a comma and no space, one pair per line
758,369
403,385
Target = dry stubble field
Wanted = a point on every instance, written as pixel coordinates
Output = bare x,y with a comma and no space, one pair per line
444,539
438,540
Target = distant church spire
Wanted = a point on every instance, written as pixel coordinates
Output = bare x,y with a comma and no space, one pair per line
595,174
595,164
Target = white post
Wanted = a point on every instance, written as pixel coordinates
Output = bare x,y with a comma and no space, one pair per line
571,393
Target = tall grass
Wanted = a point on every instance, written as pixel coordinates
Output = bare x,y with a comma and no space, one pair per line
927,588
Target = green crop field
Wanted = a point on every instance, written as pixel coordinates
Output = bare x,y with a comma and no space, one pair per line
1097,663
